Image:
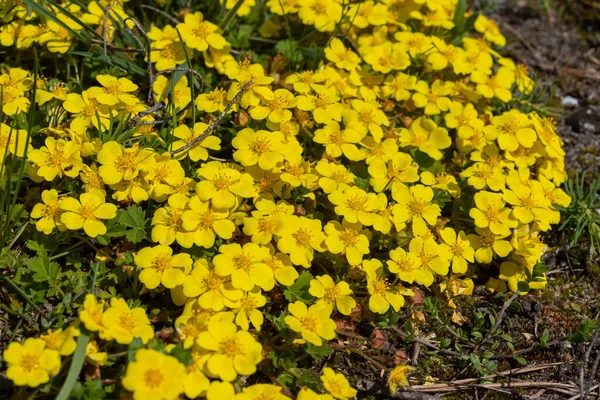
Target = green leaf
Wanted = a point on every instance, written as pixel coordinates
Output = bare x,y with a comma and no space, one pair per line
133,348
520,360
523,286
291,50
318,352
75,367
134,218
40,249
459,17
43,269
299,290
544,339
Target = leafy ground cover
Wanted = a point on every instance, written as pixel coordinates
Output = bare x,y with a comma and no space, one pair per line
289,199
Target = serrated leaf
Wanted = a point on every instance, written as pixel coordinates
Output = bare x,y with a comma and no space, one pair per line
318,352
43,269
299,290
134,218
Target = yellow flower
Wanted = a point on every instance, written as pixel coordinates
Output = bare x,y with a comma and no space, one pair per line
231,352
113,91
432,257
300,237
222,184
382,293
87,213
12,141
460,247
167,225
323,14
313,323
212,289
93,355
262,391
337,384
180,92
266,221
338,54
154,375
61,341
444,55
325,105
213,101
246,310
338,142
282,267
308,394
92,312
398,377
58,158
365,117
490,30
13,101
334,176
159,265
427,137
433,99
398,86
530,204
329,294
356,205
276,106
385,58
347,238
31,363
124,324
87,111
464,119
246,266
414,205
262,147
487,243
398,170
490,211
49,213
205,223
495,86
199,150
200,34
408,267
120,163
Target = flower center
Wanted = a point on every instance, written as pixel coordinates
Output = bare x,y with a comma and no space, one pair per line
30,362
127,321
380,286
416,207
266,224
87,211
154,378
349,237
231,347
302,237
162,262
242,262
260,146
126,162
212,281
357,203
202,29
309,323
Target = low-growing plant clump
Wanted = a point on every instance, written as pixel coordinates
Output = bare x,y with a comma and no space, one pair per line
198,198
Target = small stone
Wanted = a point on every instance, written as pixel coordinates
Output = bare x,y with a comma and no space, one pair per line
378,339
569,101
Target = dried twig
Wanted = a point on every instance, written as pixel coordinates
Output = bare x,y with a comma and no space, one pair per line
136,120
426,343
161,12
582,383
216,122
146,50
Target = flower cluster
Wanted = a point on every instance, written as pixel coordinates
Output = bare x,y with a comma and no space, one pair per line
400,161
